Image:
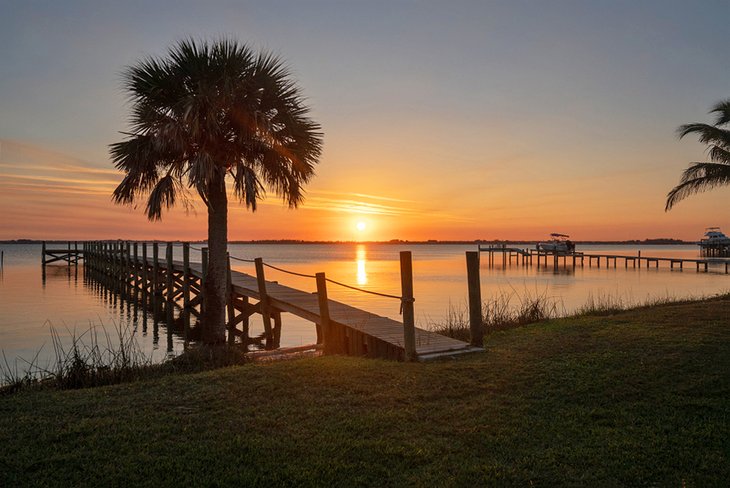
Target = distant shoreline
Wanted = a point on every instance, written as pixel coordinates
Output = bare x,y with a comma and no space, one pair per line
653,242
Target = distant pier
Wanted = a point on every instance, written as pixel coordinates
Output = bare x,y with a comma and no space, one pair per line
529,257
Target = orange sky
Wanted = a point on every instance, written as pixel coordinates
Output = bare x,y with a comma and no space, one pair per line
49,195
441,120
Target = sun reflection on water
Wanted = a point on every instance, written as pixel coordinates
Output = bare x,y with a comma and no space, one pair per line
361,259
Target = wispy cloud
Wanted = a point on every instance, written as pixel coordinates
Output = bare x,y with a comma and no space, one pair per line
362,195
364,204
58,179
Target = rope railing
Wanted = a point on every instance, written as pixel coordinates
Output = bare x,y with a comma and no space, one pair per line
288,272
242,259
334,282
385,295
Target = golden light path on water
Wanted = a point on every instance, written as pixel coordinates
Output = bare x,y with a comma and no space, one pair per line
361,258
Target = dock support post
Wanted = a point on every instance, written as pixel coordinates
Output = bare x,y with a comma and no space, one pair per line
144,272
135,269
43,253
476,324
204,264
325,335
127,267
186,275
409,326
264,301
229,302
204,273
170,275
155,270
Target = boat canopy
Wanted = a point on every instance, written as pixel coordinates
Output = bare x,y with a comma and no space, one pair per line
556,235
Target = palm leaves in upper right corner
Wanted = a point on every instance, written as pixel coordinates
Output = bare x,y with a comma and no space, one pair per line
703,176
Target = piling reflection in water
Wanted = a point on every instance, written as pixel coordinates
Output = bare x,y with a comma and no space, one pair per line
134,307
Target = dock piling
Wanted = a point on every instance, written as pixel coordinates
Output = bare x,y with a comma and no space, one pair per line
476,321
325,334
409,330
264,301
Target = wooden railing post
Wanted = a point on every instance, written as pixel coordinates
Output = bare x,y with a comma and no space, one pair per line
229,302
325,334
186,275
127,266
170,274
155,269
135,269
145,283
203,275
264,301
409,326
204,262
476,322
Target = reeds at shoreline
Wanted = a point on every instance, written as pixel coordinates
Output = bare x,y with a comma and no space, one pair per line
97,358
499,314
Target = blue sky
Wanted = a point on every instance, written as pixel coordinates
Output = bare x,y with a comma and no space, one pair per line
508,119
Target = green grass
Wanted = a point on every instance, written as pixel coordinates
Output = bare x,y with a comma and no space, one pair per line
640,398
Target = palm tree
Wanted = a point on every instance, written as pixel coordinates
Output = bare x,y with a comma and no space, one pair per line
705,176
205,112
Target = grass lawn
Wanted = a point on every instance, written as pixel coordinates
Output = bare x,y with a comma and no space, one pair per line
641,398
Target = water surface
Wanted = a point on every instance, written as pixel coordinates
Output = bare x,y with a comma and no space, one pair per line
67,300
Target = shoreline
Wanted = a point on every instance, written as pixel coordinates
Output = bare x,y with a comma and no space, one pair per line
645,242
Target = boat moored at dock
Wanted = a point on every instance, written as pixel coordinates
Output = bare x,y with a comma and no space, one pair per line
558,243
715,243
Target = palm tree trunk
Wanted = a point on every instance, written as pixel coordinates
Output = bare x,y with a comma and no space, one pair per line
214,289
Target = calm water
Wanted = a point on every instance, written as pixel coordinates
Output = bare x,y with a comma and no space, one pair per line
66,300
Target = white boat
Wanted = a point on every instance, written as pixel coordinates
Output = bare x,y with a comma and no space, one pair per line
558,243
714,238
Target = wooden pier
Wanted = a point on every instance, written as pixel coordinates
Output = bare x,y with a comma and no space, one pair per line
70,255
158,281
528,257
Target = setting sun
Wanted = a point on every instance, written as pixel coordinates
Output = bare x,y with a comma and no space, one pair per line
361,226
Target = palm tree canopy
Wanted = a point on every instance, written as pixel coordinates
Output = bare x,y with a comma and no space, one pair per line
702,176
209,110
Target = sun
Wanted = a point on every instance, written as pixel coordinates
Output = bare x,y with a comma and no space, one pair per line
361,226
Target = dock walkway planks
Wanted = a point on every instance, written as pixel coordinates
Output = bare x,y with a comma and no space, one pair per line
429,345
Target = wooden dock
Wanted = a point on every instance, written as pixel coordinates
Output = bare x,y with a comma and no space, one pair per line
70,255
158,282
528,257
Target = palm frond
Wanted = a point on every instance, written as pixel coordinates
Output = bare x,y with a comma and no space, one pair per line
697,178
722,109
708,134
163,195
246,185
719,154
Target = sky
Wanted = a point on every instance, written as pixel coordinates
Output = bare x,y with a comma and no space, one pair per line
453,120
